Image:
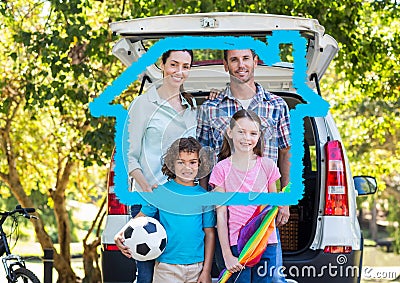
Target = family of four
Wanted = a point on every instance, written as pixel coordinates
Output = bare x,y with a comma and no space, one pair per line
247,129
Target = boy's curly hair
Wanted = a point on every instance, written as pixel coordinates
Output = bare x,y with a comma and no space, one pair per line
189,144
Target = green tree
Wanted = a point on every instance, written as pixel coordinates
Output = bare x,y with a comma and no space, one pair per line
364,92
55,58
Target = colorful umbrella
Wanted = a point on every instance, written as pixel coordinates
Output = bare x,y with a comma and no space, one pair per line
253,238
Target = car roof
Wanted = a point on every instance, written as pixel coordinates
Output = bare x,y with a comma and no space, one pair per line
321,47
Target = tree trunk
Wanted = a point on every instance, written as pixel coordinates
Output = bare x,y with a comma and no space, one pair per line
66,274
63,225
373,227
61,263
90,255
91,262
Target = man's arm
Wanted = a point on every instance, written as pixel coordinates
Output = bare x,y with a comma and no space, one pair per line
203,126
204,182
284,167
284,142
203,136
283,158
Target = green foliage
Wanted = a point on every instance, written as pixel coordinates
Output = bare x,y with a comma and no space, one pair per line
56,59
363,89
364,95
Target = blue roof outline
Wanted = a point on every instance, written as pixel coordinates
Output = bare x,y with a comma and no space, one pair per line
315,106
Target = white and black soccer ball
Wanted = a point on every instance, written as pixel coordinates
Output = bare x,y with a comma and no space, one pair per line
145,237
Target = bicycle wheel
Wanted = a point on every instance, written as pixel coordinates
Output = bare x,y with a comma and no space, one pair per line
23,275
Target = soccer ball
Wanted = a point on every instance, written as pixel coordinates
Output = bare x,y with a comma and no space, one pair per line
145,237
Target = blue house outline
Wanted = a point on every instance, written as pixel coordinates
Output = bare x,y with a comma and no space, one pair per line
315,106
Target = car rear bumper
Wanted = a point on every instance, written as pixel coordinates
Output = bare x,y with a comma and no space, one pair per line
323,267
117,268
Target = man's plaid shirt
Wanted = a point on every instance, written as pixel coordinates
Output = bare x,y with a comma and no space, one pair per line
214,115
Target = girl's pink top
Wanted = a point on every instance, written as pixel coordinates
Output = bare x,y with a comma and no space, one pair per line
256,179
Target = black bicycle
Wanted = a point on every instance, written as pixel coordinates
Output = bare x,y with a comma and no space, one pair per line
14,265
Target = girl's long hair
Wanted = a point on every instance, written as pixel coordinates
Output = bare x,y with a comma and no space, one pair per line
189,144
227,143
185,94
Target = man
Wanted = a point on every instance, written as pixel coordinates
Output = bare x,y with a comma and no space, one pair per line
243,92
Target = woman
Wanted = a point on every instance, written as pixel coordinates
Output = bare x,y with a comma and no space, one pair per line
156,119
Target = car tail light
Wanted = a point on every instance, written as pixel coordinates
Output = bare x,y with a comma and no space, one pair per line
109,247
338,249
336,200
114,205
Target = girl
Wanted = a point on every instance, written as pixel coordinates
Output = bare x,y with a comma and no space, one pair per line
244,169
187,257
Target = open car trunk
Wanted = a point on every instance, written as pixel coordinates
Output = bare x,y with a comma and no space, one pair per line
138,35
321,47
297,235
